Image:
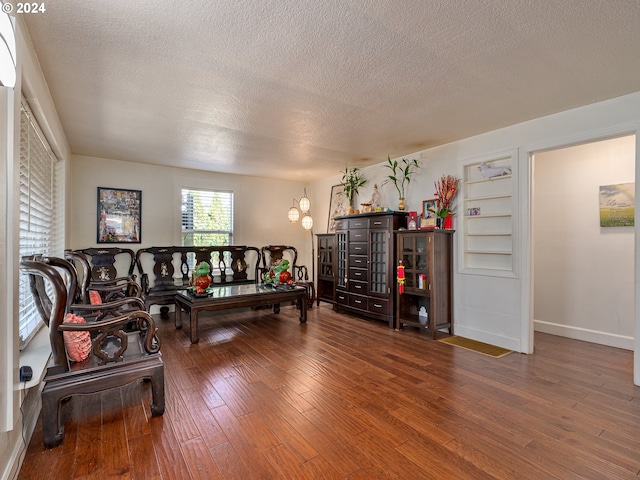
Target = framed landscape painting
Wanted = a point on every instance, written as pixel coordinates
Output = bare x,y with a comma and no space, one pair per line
119,215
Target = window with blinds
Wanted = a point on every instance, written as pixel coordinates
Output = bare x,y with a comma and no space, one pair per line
207,217
37,210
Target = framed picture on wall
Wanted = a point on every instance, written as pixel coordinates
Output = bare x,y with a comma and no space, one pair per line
119,215
617,205
338,205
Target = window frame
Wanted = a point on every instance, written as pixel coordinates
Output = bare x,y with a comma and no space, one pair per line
38,204
211,193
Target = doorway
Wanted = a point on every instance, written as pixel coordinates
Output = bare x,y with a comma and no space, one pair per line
583,273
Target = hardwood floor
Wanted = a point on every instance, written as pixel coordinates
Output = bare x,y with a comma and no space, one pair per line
265,397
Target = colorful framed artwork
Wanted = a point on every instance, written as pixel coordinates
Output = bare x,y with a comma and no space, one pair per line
617,205
119,215
338,205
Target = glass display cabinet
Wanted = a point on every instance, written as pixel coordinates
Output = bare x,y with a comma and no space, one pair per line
426,302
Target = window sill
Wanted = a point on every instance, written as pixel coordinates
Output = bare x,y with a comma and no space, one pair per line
36,355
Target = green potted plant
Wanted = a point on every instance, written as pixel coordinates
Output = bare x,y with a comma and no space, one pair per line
401,173
352,180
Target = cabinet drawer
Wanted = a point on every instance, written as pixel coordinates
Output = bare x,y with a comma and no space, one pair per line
379,222
342,224
359,262
379,306
357,287
358,301
358,274
342,298
358,223
357,235
358,248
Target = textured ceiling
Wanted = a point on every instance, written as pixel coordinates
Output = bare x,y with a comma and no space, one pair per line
300,89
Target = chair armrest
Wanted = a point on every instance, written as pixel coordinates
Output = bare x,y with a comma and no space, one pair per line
300,273
117,288
113,308
102,329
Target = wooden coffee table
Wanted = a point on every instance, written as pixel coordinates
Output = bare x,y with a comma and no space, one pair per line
236,296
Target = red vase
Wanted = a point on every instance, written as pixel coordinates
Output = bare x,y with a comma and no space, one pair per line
448,223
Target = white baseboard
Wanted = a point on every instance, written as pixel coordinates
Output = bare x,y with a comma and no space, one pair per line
22,432
577,333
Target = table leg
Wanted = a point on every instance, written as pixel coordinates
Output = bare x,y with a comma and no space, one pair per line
303,308
178,316
194,326
276,308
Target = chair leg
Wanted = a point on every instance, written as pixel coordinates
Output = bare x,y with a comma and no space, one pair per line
311,292
52,429
157,392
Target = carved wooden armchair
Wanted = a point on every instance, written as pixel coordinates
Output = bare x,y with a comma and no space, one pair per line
274,254
108,263
92,355
90,289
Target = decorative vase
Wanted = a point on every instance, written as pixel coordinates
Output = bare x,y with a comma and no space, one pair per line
202,283
439,222
401,205
448,223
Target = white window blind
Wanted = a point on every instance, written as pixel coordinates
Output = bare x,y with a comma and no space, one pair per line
37,210
207,217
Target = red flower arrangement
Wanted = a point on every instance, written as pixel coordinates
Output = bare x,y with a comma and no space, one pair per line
446,189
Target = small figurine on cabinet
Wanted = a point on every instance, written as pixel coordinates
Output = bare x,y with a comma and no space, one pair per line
489,172
375,198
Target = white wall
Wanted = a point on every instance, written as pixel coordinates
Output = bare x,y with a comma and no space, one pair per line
19,409
491,309
260,209
583,273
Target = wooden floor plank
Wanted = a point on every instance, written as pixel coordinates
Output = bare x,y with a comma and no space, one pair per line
171,462
89,452
199,461
262,396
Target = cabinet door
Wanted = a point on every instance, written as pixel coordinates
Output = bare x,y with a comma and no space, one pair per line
379,262
325,256
415,251
407,255
341,260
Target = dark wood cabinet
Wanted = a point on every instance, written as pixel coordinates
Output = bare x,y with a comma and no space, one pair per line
427,257
325,262
365,268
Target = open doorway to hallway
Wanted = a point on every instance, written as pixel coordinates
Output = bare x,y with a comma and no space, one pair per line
583,279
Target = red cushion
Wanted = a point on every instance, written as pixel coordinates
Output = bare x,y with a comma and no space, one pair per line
95,298
78,344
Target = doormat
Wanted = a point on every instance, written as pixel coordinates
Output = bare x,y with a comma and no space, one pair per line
475,346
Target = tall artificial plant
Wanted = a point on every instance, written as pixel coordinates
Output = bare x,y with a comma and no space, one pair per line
352,180
401,173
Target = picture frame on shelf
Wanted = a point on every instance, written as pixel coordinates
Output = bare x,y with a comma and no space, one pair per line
428,218
338,205
473,212
119,215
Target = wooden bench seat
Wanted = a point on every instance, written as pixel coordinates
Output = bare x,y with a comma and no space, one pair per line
165,270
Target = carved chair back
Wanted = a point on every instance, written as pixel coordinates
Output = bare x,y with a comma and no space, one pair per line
274,254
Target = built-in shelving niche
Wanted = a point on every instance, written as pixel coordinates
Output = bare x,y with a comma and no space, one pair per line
489,214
